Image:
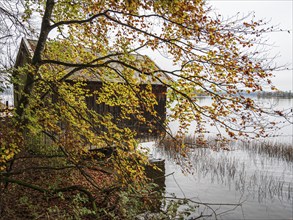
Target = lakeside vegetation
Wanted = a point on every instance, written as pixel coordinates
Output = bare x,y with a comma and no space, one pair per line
271,148
241,165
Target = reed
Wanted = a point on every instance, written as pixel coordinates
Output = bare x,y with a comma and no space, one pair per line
272,149
245,166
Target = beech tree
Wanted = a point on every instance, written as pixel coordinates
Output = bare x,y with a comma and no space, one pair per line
213,56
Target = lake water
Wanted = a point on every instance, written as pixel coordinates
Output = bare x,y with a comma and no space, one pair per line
262,185
6,98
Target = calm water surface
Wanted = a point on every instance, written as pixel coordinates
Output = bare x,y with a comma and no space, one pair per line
263,185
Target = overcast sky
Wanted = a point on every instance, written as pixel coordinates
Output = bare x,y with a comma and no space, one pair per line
278,12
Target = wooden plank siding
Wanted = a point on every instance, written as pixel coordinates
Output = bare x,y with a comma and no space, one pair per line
141,129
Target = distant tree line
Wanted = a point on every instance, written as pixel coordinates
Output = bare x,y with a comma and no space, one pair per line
277,94
260,94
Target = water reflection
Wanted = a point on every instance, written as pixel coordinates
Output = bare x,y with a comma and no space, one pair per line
6,98
262,181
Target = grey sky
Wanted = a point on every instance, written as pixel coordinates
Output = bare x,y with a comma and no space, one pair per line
278,12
